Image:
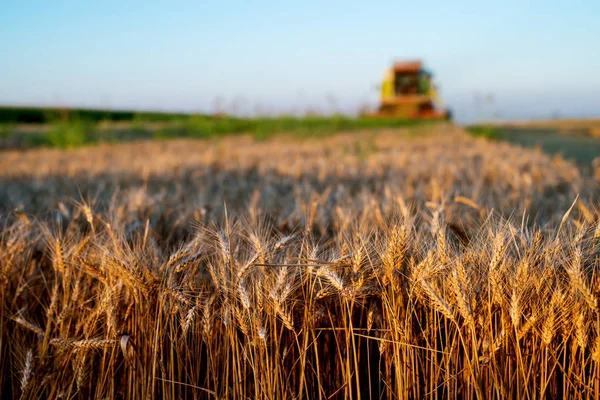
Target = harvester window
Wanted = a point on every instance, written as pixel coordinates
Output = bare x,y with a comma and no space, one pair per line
407,83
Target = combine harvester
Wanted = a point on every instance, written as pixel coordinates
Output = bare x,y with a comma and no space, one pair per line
408,92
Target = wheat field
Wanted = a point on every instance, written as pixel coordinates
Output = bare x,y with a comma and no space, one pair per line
410,264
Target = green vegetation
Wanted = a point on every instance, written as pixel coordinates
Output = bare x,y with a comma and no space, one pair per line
262,128
486,131
79,132
5,130
39,115
67,135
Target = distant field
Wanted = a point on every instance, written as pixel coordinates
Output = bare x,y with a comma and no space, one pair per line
85,127
589,126
574,139
46,115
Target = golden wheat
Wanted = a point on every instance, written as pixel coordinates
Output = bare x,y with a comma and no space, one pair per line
431,266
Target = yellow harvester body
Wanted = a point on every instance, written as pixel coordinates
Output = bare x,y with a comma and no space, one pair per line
407,91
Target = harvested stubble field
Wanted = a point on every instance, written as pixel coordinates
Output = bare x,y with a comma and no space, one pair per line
363,265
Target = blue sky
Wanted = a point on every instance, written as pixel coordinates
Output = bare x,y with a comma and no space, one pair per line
533,57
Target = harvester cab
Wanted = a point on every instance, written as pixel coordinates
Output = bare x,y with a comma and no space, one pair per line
408,91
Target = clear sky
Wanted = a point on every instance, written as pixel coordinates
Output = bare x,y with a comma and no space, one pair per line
513,59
